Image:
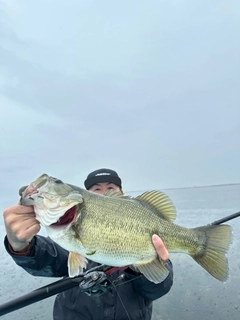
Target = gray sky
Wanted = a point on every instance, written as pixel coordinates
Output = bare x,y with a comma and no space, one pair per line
148,88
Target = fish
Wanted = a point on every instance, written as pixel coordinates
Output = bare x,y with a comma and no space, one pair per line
116,230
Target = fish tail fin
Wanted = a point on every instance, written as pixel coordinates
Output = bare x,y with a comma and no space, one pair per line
212,254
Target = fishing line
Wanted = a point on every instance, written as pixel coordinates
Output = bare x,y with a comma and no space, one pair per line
114,286
120,299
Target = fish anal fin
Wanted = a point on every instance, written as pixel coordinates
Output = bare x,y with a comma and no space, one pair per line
76,264
154,271
161,202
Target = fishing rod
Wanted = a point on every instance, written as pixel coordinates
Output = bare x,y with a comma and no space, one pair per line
232,216
94,282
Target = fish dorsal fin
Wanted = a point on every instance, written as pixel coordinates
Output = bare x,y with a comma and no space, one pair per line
115,194
161,202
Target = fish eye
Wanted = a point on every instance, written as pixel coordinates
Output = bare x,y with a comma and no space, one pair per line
58,181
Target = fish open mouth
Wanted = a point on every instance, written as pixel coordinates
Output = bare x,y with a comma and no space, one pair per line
66,218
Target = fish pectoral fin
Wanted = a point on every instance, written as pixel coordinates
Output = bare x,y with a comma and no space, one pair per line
154,271
76,264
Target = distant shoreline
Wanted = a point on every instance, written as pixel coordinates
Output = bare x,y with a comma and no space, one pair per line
206,186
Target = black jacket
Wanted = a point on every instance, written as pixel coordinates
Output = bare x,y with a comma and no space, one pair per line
132,300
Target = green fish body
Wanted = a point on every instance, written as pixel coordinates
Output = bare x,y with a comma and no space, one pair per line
116,230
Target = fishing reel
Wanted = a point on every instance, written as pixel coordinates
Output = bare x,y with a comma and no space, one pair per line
95,283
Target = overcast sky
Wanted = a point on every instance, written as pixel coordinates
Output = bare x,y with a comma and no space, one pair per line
148,88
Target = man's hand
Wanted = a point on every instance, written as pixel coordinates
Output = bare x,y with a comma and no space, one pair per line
160,248
21,226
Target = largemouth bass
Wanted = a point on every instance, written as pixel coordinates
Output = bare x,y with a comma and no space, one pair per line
116,230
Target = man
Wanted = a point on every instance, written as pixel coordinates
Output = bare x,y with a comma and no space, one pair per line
40,256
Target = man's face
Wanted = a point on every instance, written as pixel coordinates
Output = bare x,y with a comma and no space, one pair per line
103,187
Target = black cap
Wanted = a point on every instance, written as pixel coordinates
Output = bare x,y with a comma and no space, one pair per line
102,175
